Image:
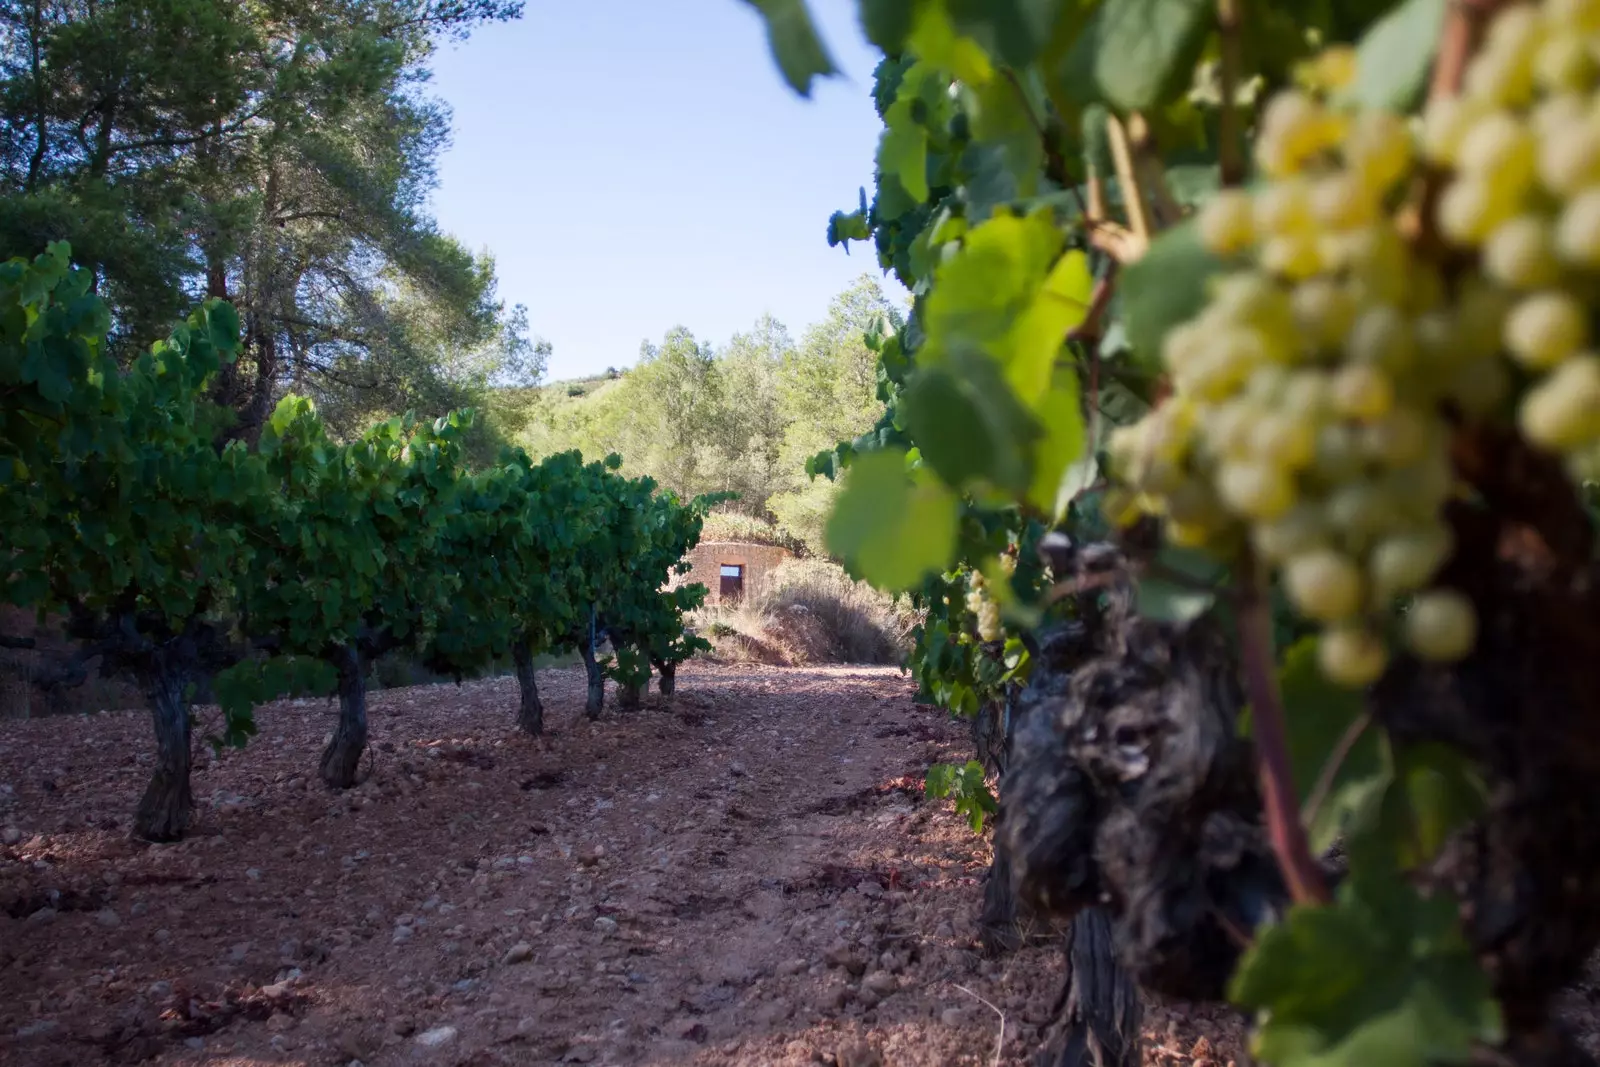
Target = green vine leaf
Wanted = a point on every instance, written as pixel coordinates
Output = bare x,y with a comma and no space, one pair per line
1138,53
795,44
1396,55
894,529
1164,287
1382,977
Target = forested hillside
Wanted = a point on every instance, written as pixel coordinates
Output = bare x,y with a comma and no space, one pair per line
741,417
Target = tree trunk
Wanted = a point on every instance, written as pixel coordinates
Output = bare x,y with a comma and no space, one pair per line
1099,1011
342,758
597,680
168,804
530,714
667,678
628,696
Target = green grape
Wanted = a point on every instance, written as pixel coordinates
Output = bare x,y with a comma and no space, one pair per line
1307,396
1520,253
1351,656
1227,224
1362,391
1323,584
1500,150
1569,154
1382,337
1284,441
1341,201
1479,386
1441,625
1377,147
1299,530
1284,207
1562,413
1255,490
1339,453
1445,124
1323,310
1563,62
1361,511
1294,256
1470,208
1397,439
1546,328
1406,561
1577,231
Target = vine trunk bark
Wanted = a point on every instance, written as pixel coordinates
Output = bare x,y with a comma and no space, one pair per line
530,712
666,678
596,697
1099,1013
342,758
167,806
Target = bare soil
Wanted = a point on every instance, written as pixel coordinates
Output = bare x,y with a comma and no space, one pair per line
747,874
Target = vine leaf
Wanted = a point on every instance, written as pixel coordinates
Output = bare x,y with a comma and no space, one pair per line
894,530
1382,977
792,35
1180,590
1137,53
1318,716
1395,56
1164,287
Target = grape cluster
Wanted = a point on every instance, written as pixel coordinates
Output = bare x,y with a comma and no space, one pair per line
1523,144
982,604
1306,420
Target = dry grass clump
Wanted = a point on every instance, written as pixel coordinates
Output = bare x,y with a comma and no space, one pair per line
809,611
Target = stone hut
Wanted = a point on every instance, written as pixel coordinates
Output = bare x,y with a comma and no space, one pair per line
730,569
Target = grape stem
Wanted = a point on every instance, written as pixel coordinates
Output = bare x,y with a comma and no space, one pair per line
1284,829
1132,195
1230,159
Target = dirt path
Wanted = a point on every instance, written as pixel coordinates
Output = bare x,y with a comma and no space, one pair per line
748,875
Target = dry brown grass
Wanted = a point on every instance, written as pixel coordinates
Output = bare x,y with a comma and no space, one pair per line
809,611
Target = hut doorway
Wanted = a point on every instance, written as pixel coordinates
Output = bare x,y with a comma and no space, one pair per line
732,584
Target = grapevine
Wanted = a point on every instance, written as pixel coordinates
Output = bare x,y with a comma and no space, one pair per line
1296,307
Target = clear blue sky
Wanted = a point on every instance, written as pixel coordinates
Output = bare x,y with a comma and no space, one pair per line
634,165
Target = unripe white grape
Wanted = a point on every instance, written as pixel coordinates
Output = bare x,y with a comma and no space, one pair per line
1520,253
1502,78
1284,207
1227,223
1471,207
1445,123
1545,328
1406,561
1362,391
1419,490
1255,490
1480,310
1294,128
1299,530
1323,312
1307,396
1379,264
1401,437
1227,428
1323,584
1382,337
1341,201
1556,113
1562,413
1577,235
1377,147
1441,625
1569,156
1479,385
1561,63
1294,256
1351,656
1283,441
1573,16
1193,503
1501,151
1515,29
1338,452
1360,511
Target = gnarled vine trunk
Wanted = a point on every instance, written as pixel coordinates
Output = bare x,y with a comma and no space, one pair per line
1132,790
342,758
530,712
167,806
629,696
596,696
666,677
1099,1013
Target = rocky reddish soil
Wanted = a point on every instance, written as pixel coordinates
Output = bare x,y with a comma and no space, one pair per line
747,875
